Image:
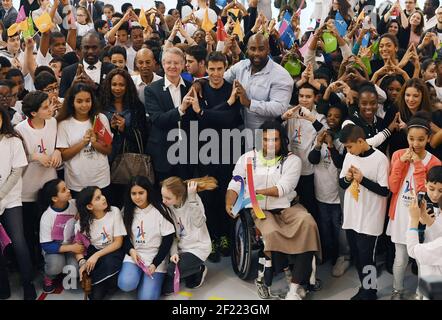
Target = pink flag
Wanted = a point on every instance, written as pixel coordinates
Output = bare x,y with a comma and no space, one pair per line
58,227
81,238
21,16
4,238
176,279
304,48
143,267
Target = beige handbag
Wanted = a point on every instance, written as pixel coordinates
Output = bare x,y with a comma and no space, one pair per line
127,165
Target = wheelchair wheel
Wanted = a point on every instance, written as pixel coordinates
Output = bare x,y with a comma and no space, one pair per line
245,247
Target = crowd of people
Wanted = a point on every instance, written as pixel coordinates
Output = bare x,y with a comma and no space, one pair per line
346,169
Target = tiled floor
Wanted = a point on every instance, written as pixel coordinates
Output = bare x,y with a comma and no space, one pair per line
222,283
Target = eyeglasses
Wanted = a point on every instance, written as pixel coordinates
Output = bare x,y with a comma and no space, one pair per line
51,90
10,96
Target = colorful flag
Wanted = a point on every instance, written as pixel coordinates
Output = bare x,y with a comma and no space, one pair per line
255,205
30,31
13,29
367,64
207,25
221,34
365,40
238,30
330,42
102,134
142,18
21,16
303,50
176,279
340,24
241,201
43,22
298,12
286,32
4,239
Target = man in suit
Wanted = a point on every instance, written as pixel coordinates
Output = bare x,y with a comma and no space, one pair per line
95,9
168,102
8,14
94,70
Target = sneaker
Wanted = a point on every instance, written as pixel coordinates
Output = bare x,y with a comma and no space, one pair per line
293,293
396,295
340,267
225,246
263,290
215,255
199,280
288,276
29,292
301,292
48,285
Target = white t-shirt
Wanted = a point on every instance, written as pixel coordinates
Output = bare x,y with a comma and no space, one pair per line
82,29
326,176
48,219
148,228
88,167
193,235
397,228
366,215
435,230
104,230
13,156
438,89
42,60
302,135
37,141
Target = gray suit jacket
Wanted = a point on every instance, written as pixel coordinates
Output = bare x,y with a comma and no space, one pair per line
9,18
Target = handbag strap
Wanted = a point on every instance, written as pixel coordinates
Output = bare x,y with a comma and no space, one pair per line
139,139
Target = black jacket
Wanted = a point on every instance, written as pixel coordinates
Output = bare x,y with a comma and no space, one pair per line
68,75
164,117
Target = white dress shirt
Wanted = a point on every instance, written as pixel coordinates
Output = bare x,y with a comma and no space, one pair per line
175,92
95,73
140,85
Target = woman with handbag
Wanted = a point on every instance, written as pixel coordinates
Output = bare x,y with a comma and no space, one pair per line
128,123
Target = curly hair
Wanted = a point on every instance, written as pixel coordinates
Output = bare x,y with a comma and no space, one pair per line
130,98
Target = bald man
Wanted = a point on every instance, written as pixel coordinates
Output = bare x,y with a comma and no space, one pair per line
144,64
264,87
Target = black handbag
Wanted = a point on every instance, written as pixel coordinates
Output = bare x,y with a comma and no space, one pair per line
127,164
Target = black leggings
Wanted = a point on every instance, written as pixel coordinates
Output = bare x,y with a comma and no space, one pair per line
12,220
100,290
31,226
301,267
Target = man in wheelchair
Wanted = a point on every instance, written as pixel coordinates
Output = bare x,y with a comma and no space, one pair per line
290,234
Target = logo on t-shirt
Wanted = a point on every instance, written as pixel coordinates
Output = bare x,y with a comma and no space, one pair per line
407,195
41,147
181,228
140,234
105,238
326,161
297,135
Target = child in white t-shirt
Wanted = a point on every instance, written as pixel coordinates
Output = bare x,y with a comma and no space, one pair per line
57,230
364,177
84,156
39,133
193,244
151,232
101,230
326,156
13,160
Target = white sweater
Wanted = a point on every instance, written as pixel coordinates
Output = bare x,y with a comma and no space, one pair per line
270,176
192,233
428,255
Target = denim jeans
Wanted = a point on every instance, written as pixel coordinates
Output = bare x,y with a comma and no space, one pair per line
330,224
132,277
12,220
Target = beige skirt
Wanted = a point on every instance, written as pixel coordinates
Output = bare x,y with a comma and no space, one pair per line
293,231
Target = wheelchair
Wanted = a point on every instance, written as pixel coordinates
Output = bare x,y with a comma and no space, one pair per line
248,245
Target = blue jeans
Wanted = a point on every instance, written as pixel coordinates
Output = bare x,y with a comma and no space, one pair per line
132,277
330,224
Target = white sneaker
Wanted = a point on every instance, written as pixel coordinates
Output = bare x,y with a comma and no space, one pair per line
301,292
340,267
293,292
